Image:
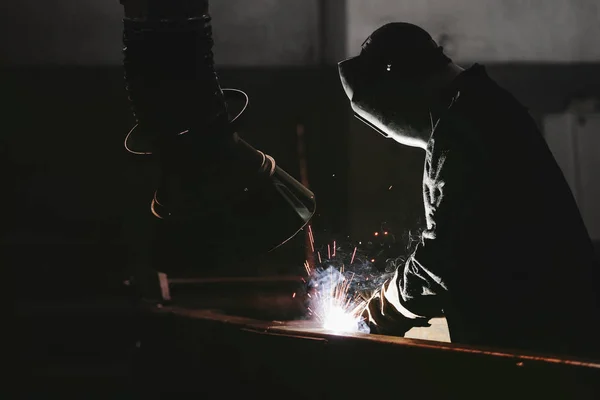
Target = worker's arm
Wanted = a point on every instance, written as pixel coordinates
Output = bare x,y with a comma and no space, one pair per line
418,289
409,299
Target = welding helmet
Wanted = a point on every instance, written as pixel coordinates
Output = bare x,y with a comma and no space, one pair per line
394,60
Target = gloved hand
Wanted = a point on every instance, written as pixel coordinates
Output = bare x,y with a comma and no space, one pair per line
384,319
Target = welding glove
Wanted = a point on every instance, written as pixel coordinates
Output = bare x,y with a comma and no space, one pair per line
383,317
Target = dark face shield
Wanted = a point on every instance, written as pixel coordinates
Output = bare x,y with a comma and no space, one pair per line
356,82
376,92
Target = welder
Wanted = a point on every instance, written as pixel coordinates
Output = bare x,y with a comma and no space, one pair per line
505,255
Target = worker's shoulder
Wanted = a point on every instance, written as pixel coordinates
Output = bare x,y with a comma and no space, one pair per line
487,114
489,101
478,89
481,132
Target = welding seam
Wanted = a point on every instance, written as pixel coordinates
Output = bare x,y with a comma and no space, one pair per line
293,336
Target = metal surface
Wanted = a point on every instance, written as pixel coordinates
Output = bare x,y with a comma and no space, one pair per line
305,328
220,350
209,353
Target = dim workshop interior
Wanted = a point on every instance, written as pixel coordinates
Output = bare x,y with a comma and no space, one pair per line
242,266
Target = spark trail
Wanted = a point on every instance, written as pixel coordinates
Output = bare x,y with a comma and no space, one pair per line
332,300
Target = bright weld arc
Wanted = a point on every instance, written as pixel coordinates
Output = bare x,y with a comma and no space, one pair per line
333,306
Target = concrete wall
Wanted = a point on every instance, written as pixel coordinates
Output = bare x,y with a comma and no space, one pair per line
334,29
491,30
60,32
266,32
291,32
88,32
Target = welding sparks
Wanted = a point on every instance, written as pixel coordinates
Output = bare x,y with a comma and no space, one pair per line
307,267
334,308
332,304
311,239
338,320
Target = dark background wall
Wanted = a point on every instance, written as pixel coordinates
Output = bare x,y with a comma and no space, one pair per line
71,32
492,30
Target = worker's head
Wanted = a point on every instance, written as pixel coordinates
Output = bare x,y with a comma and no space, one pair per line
392,82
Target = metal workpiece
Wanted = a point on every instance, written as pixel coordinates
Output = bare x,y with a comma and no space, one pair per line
210,352
222,335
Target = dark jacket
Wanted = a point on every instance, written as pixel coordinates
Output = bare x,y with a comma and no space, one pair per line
505,256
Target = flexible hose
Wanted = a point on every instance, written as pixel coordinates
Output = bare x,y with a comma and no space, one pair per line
170,77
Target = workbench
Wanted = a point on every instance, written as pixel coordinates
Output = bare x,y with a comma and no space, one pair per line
222,351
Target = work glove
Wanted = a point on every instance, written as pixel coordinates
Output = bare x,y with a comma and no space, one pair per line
383,318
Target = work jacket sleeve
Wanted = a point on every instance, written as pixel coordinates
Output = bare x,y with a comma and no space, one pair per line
419,287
